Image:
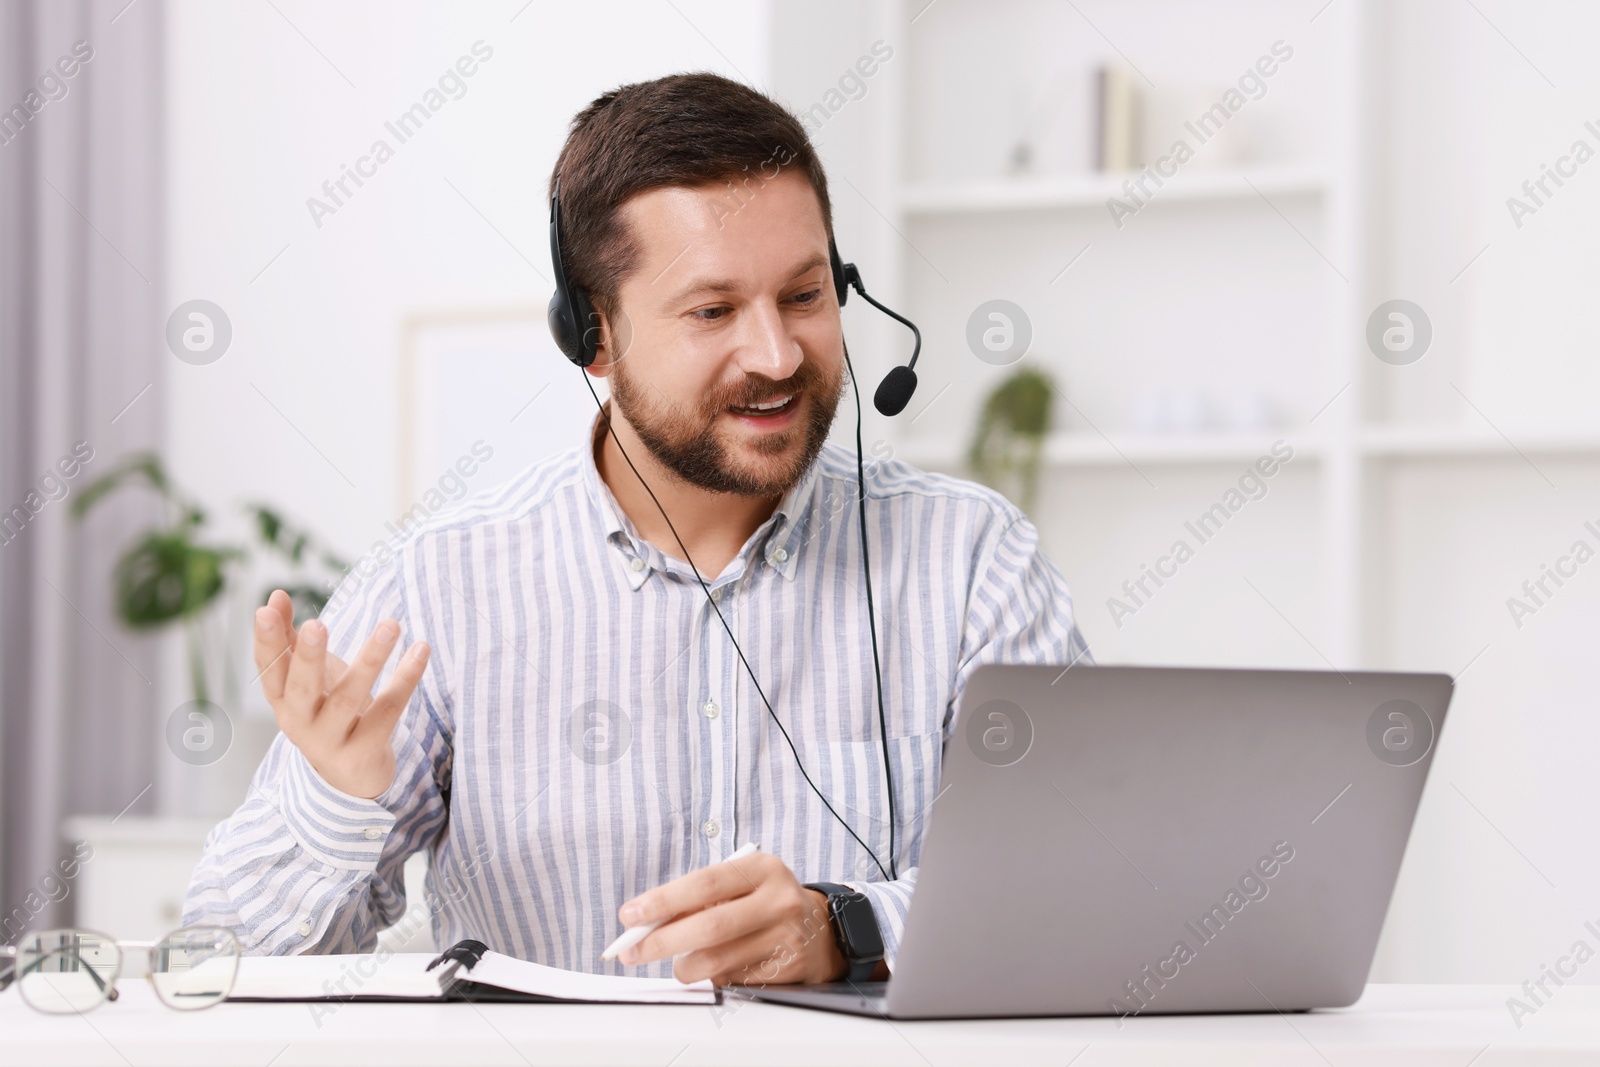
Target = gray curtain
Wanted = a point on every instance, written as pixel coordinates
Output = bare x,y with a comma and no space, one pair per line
81,332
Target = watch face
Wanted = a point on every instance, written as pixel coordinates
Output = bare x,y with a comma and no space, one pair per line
858,927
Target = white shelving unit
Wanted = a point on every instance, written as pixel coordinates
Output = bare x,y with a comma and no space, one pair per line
1092,190
1078,449
1069,210
1449,442
1319,205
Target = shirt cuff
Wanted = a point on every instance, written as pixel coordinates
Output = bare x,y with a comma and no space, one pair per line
344,832
890,901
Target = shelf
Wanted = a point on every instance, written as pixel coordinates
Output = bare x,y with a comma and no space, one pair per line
1448,442
1094,450
1079,449
1092,190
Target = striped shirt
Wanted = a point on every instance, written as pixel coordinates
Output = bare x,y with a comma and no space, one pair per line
585,731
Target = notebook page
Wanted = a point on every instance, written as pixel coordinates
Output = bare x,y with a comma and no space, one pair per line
507,972
403,974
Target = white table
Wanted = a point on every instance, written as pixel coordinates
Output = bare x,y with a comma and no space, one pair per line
1440,1026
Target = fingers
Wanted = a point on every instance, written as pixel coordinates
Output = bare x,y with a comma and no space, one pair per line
271,653
273,622
350,695
699,889
759,958
709,929
302,690
281,603
393,698
333,669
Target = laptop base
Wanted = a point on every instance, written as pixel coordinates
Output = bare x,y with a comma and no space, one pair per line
858,998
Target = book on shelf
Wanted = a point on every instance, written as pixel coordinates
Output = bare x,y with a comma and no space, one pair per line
1118,115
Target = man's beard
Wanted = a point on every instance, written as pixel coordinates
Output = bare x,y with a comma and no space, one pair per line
688,444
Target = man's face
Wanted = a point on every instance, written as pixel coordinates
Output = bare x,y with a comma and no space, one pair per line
731,307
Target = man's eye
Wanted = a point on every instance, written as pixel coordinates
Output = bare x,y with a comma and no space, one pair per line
807,297
709,314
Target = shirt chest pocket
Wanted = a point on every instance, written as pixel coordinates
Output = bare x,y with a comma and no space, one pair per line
853,781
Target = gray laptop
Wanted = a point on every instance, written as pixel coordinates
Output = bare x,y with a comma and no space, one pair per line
1140,840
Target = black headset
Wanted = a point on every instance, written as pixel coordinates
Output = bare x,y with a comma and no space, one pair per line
576,328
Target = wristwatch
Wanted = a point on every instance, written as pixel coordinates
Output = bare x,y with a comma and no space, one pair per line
855,929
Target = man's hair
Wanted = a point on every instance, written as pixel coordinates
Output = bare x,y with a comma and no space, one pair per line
683,129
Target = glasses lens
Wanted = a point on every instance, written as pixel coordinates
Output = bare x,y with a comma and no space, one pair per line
64,972
194,968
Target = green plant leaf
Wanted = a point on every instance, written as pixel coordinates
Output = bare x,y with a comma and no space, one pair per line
145,465
165,576
268,523
288,541
1011,429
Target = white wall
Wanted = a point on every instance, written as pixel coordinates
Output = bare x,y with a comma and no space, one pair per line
1503,871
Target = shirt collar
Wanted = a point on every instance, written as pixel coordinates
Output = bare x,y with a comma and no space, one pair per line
779,539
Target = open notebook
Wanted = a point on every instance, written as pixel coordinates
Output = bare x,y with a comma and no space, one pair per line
468,970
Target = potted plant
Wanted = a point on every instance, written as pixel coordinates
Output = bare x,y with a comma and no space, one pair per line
1009,438
173,574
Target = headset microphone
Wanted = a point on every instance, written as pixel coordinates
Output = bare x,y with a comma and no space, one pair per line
574,325
894,392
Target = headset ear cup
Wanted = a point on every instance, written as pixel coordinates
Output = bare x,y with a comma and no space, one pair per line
587,328
569,314
559,316
841,286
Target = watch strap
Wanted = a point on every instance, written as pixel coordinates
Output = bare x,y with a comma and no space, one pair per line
857,909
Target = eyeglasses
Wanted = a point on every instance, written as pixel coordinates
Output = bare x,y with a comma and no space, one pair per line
68,972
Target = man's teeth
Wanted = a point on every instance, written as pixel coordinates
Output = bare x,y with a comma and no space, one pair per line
773,406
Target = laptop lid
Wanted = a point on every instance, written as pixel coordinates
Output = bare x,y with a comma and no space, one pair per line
1139,840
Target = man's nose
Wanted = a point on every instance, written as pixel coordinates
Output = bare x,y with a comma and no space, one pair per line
769,348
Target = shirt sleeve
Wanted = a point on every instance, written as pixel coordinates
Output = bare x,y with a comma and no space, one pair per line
890,902
1019,611
304,867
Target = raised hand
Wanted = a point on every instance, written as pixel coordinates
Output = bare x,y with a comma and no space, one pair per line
324,707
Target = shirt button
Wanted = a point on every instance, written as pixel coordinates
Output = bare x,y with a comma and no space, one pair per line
305,929
780,554
711,829
637,565
372,833
711,709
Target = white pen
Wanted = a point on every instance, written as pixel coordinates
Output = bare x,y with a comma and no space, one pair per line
635,934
